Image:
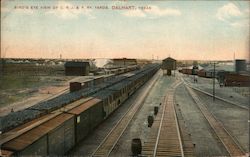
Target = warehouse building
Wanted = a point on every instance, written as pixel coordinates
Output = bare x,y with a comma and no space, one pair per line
168,65
123,62
77,68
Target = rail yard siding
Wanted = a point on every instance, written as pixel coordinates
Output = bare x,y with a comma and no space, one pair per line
60,133
226,77
18,118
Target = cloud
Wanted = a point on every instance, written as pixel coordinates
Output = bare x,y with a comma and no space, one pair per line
228,11
232,15
240,23
156,11
134,13
64,13
153,12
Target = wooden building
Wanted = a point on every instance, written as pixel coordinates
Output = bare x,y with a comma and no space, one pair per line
77,68
123,62
168,65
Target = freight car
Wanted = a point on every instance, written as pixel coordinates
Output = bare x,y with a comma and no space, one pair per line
190,71
187,71
58,131
201,73
209,74
54,137
89,87
238,80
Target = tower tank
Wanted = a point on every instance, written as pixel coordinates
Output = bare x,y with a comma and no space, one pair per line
240,65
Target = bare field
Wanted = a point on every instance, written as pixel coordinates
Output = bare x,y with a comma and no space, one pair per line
24,85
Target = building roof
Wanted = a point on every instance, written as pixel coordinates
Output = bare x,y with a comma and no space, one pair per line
122,59
169,59
76,64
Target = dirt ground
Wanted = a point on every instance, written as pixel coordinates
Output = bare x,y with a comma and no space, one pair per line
19,92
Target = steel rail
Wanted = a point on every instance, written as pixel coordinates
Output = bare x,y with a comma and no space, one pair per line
109,142
233,148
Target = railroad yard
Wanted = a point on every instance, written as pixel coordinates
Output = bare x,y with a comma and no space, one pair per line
198,137
136,112
125,78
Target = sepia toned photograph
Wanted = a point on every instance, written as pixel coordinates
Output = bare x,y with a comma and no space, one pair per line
125,78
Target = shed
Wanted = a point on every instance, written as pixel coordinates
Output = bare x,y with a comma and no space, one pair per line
76,68
168,65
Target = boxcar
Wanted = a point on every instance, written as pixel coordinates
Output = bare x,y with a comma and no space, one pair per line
98,80
75,86
209,74
187,71
53,137
87,116
57,132
201,73
107,101
62,138
237,80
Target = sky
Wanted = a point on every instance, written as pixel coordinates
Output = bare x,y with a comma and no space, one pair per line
200,30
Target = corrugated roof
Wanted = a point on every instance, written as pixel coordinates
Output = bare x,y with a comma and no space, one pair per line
34,121
6,153
79,109
34,134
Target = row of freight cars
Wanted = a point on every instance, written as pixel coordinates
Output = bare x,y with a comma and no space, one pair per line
78,90
225,78
54,134
121,70
238,80
110,74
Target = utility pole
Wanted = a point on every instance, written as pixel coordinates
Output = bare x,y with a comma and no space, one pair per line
214,83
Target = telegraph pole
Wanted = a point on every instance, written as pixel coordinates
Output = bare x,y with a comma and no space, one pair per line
214,83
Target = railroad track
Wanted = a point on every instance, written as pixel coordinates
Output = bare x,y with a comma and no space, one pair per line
232,147
13,134
216,97
165,137
187,144
109,142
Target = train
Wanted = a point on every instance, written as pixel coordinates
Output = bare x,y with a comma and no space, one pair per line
121,70
77,89
237,80
189,71
225,78
57,132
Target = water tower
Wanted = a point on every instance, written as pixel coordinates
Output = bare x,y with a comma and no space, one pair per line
240,65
